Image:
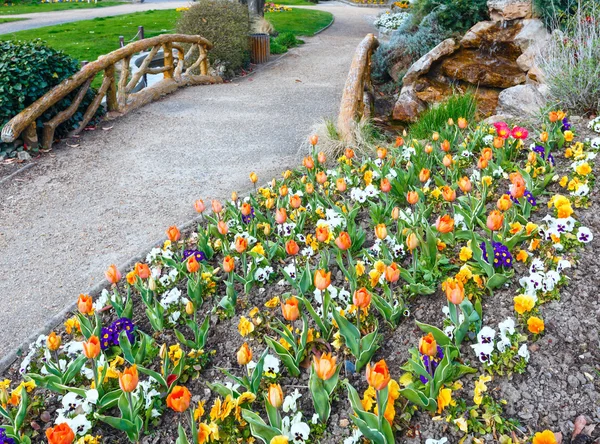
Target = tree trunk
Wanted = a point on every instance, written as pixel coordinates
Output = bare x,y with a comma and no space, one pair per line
256,7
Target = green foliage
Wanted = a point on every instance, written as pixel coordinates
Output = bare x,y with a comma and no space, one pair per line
224,23
277,48
27,71
554,12
284,41
455,15
435,118
299,21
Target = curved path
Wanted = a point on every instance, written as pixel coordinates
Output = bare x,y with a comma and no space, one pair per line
39,19
78,210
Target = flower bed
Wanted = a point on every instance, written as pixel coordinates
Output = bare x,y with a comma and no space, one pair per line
288,315
389,21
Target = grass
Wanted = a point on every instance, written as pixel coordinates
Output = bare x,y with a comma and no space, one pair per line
435,118
300,21
294,3
8,20
48,7
89,39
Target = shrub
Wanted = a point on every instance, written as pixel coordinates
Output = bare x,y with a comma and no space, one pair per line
454,15
283,42
277,48
226,24
570,62
458,105
555,12
27,71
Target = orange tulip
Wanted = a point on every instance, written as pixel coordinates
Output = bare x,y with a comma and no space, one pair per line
385,185
378,376
424,175
113,275
362,298
253,177
428,149
455,292
91,347
228,264
447,161
435,136
428,346
448,194
173,233
349,153
504,203
308,162
412,197
84,304
412,241
495,220
395,213
341,184
553,116
295,201
244,354
321,177
60,434
392,272
487,154
444,224
322,233
462,123
314,139
217,207
246,209
142,270
290,309
283,190
199,206
482,163
517,189
544,137
291,247
222,228
498,142
445,146
464,184
381,152
322,279
343,241
399,142
280,216
380,231
128,379
53,341
241,244
325,366
179,399
321,157
234,196
275,395
192,264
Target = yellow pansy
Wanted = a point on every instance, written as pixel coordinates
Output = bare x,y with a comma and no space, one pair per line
199,411
360,268
461,423
583,169
175,354
480,388
245,327
258,248
272,303
444,399
465,254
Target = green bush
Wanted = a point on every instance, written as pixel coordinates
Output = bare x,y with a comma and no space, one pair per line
226,24
435,118
277,48
288,39
454,15
555,12
27,71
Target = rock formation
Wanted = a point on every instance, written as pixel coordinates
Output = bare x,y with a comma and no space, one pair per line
491,59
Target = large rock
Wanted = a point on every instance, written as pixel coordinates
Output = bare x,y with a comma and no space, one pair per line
408,106
423,65
521,101
533,32
501,10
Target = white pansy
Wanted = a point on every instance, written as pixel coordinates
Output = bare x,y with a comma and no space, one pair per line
271,364
79,424
299,432
443,440
486,335
289,403
524,352
507,327
584,234
484,351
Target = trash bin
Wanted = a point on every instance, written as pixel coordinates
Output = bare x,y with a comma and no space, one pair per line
260,48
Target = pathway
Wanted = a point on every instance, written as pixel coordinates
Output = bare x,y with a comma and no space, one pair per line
78,210
40,19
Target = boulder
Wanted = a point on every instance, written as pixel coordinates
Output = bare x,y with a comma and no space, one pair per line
423,65
501,10
521,101
533,33
408,106
492,33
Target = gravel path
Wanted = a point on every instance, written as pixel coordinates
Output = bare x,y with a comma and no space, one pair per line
40,19
78,210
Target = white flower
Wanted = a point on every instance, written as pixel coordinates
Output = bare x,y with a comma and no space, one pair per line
443,440
291,271
91,396
486,335
315,418
581,190
289,403
79,424
562,265
532,283
484,351
584,234
507,327
354,438
170,297
449,331
524,352
271,364
299,432
595,142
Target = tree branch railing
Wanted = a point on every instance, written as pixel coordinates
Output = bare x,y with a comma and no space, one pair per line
358,96
120,95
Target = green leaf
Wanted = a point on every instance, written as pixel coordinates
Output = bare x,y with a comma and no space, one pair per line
73,369
284,355
320,397
349,332
259,428
22,411
439,336
126,347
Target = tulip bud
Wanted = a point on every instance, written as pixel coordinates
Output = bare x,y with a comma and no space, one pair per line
290,309
189,308
381,231
462,123
244,354
314,139
428,346
234,196
395,213
544,137
53,341
163,351
450,121
151,284
349,153
199,206
435,136
275,395
253,177
412,197
321,157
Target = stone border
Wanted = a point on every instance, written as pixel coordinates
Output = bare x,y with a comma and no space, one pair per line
362,5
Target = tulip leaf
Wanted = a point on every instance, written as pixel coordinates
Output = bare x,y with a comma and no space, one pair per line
368,347
153,374
126,347
109,400
349,332
181,437
320,396
284,355
418,398
273,414
118,423
259,428
439,336
73,369
497,280
22,411
257,373
332,382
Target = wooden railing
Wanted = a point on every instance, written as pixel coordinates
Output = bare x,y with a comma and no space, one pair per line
178,70
357,99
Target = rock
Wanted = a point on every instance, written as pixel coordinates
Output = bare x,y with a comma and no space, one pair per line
492,35
526,60
535,75
23,155
344,422
497,118
473,67
423,65
520,101
510,9
533,33
408,106
472,39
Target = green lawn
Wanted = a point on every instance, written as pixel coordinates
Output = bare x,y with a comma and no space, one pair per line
294,3
7,20
48,7
300,21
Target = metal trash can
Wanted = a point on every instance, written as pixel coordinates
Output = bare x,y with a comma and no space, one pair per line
260,48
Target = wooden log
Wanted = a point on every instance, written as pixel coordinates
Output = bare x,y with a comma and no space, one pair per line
123,79
168,60
17,124
138,75
180,61
30,137
351,106
89,113
159,70
204,63
111,94
52,124
198,62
